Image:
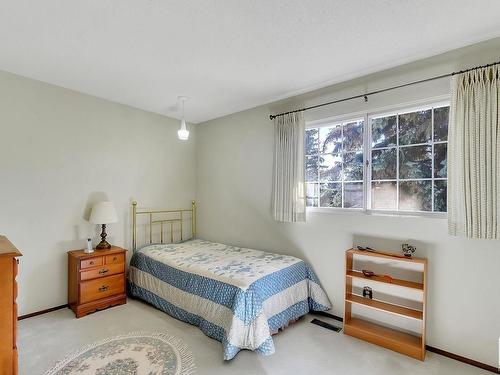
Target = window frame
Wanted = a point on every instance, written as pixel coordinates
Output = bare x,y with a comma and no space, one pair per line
402,108
340,121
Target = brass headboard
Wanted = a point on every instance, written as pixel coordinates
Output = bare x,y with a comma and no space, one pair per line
162,221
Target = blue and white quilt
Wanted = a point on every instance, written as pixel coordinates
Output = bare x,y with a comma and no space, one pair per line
235,295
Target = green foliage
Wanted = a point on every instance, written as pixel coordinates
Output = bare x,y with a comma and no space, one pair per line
415,127
335,159
415,162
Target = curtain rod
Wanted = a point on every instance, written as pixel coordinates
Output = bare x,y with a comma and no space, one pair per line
365,96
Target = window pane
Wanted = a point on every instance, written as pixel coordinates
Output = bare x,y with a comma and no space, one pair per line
415,162
415,127
384,131
441,123
353,195
384,164
353,166
415,196
312,190
330,167
330,139
353,136
312,141
311,168
440,192
440,162
311,202
312,195
384,195
331,195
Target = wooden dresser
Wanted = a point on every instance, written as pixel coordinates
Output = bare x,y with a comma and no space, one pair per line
96,280
8,306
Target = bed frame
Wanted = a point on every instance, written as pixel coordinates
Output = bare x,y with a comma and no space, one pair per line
157,217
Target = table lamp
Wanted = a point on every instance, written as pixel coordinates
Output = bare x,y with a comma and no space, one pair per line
103,213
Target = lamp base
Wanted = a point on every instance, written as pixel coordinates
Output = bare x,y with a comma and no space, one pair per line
103,245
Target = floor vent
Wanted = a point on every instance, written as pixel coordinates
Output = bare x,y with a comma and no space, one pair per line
326,325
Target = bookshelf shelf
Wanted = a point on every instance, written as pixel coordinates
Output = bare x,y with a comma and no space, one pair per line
378,279
383,306
389,338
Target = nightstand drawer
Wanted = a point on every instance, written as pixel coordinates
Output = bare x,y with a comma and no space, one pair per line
105,270
101,288
115,259
91,262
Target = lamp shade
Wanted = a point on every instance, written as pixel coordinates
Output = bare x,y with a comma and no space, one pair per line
183,133
103,213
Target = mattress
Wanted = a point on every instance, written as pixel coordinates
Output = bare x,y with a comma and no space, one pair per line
235,295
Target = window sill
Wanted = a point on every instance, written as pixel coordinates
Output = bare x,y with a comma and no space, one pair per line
360,211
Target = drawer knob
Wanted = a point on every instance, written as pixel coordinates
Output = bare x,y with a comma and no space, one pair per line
103,271
114,258
103,288
91,262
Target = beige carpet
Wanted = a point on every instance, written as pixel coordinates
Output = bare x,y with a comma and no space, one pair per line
303,348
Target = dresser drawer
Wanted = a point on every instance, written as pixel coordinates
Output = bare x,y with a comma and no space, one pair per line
91,262
115,258
105,270
101,288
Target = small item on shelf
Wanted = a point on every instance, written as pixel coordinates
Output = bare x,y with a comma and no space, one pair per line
369,273
364,248
371,250
368,292
408,250
89,248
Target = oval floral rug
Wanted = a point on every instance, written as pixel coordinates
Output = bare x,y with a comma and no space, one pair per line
134,353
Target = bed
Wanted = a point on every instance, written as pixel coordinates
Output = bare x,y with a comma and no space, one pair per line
238,296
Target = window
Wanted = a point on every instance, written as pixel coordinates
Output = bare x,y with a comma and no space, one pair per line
406,158
334,165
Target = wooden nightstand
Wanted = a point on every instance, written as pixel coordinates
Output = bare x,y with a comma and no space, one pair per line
96,280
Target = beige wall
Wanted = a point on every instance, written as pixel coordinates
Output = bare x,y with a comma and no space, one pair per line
60,151
234,193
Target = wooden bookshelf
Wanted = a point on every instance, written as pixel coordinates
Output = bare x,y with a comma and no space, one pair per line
388,337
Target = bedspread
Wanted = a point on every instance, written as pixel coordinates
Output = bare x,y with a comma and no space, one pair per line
235,295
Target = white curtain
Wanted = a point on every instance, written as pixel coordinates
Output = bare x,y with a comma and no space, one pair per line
474,155
289,202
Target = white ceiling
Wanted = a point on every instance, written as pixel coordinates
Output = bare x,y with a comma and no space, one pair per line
226,55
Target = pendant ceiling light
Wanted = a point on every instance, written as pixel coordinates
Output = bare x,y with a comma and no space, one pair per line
183,133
